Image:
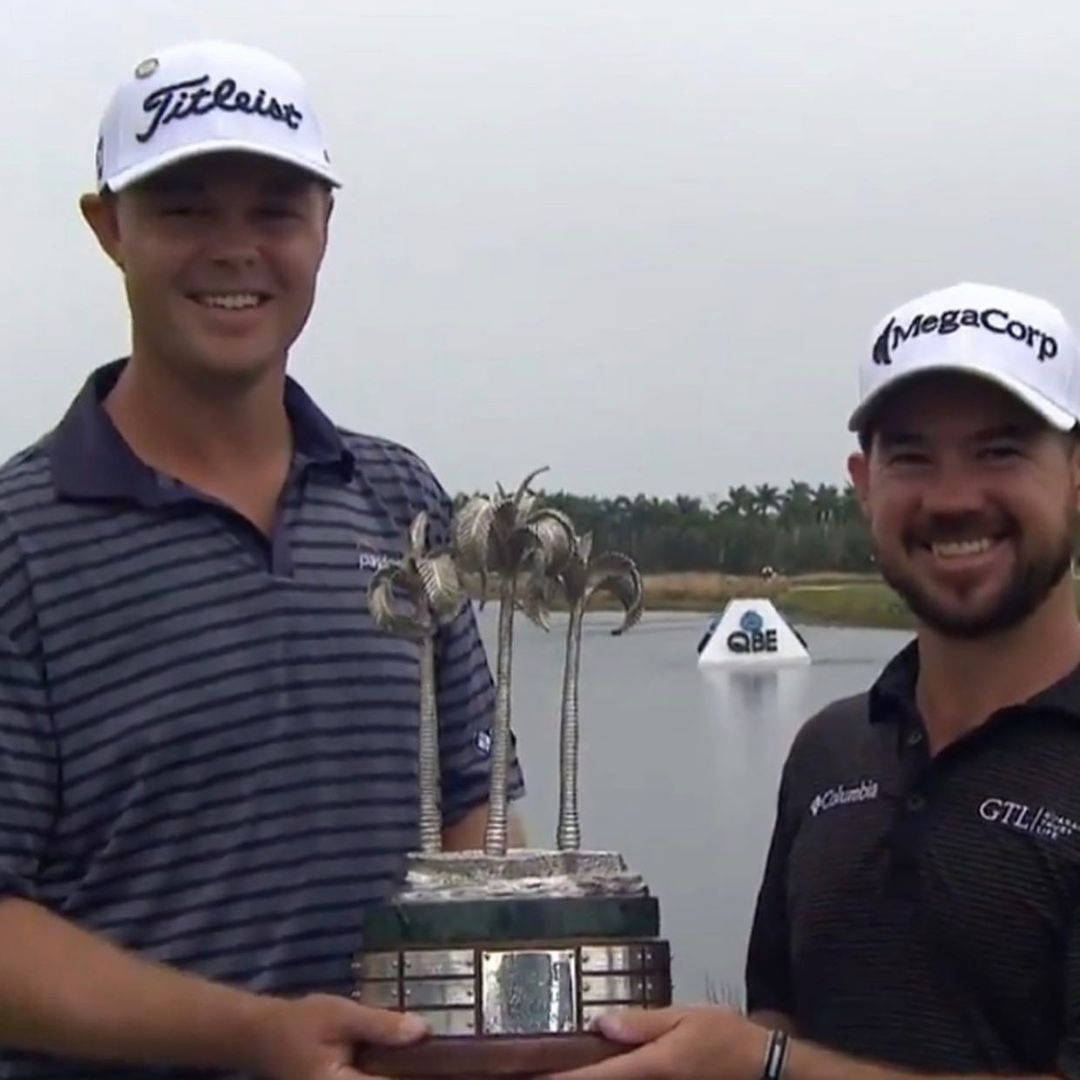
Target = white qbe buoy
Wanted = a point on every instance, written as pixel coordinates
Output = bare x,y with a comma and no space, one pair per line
751,632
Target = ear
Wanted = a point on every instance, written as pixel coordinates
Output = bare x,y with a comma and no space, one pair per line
99,212
859,470
326,225
1074,466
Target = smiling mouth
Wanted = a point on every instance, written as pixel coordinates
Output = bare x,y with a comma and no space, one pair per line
958,549
230,301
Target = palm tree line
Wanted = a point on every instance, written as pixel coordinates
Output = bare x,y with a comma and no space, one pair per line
799,529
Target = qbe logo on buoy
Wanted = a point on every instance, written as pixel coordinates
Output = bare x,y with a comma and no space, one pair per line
752,637
739,638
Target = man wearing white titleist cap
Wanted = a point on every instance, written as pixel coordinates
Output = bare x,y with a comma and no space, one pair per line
928,922
207,747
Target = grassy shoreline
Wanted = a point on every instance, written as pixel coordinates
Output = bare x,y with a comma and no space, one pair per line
830,599
859,600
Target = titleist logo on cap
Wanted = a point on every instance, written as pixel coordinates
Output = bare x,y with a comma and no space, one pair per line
193,97
948,322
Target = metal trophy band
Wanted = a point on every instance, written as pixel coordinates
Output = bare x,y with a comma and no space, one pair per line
508,955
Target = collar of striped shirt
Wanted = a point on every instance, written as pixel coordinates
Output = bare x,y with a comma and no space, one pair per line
90,460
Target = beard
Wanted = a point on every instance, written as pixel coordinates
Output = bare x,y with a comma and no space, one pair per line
1032,581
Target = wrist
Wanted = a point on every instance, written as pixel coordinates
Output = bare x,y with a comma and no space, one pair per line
776,1052
258,1018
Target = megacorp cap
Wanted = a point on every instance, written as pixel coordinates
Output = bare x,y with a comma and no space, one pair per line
1020,342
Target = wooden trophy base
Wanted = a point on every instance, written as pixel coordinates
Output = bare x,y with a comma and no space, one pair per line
510,986
493,1055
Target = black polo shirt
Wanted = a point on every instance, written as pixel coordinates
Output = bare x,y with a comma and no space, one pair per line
924,911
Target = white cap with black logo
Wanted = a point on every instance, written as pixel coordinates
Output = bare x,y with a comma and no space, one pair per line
206,97
1018,341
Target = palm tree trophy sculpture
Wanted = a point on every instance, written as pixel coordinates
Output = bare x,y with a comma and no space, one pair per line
430,581
504,537
508,956
581,575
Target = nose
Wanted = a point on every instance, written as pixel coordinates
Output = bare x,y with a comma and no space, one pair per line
952,488
234,241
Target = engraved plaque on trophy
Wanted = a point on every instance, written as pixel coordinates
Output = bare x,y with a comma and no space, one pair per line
507,954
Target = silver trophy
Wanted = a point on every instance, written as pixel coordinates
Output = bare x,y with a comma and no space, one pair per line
508,954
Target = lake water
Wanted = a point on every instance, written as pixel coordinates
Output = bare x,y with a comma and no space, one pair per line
679,765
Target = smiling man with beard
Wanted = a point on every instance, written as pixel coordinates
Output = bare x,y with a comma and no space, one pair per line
920,908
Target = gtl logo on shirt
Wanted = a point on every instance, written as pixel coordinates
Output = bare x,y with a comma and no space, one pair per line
839,796
1033,820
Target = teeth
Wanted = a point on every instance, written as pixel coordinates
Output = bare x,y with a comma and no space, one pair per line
955,548
232,301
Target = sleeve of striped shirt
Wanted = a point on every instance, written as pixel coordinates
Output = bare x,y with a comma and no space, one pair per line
466,703
28,772
768,969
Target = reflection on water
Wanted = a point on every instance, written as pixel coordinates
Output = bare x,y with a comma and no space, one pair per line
679,765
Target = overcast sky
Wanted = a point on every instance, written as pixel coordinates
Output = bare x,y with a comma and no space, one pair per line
641,242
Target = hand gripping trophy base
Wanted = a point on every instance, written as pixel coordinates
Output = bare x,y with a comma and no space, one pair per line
509,959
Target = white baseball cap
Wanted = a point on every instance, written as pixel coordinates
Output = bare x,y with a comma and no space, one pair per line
1021,343
205,97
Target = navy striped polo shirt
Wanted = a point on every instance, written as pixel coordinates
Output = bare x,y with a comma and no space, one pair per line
208,751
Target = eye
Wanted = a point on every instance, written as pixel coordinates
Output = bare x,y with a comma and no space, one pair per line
183,206
1000,451
277,211
907,457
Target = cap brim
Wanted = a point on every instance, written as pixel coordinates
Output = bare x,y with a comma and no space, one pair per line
127,177
1054,415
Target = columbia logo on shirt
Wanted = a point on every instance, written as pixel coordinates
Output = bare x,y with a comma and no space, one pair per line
840,796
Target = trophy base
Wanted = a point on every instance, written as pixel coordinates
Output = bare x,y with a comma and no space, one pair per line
509,962
496,1055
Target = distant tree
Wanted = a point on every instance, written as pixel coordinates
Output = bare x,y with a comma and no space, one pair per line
766,499
848,508
797,505
740,500
826,503
800,529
